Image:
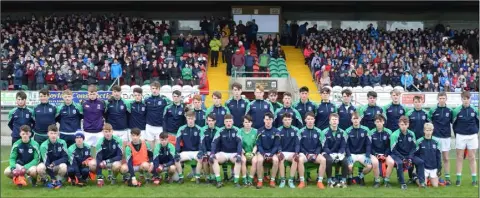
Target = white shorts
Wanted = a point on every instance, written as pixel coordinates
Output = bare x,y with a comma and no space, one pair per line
152,132
430,173
188,155
123,134
466,141
358,158
444,144
92,138
288,155
227,156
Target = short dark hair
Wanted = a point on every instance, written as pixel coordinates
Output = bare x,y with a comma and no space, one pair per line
177,92
190,114
380,117
286,115
403,119
217,94
25,128
372,94
347,92
269,115
273,91
212,116
22,95
135,131
163,135
310,113
116,88
138,90
53,127
248,117
304,89
237,85
465,94
417,98
325,89
442,94
44,92
155,84
228,116
287,94
334,115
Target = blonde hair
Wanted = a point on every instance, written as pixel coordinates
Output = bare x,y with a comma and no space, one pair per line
395,91
67,92
428,126
259,87
107,127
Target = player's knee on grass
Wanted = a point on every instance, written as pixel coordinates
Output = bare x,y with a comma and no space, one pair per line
32,171
172,169
124,169
41,169
92,165
62,169
8,173
145,166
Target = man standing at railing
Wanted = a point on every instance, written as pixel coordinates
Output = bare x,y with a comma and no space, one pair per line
238,61
249,62
116,70
263,61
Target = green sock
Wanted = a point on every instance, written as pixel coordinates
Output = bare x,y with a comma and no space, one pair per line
212,176
282,178
447,176
235,179
474,177
218,178
197,175
459,177
180,175
250,179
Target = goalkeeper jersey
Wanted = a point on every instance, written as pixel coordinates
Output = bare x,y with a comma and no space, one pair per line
248,139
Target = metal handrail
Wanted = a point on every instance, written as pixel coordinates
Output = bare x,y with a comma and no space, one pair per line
117,80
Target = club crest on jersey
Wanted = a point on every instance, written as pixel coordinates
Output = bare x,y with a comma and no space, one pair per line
242,105
424,117
378,112
472,114
87,106
50,110
384,137
86,152
331,109
434,146
121,107
265,106
362,135
234,134
27,115
114,146
409,139
143,108
292,134
59,149
314,135
223,112
351,111
339,136
74,111
309,108
98,106
180,113
159,102
401,111
30,150
195,133
20,150
447,114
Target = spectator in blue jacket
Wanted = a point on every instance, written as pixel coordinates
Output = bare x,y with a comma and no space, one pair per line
39,78
249,62
365,79
115,70
17,77
407,80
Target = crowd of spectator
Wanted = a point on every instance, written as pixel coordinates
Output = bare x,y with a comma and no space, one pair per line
420,60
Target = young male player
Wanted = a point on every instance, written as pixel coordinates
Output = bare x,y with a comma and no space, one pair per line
358,149
380,137
188,147
429,151
227,146
137,114
272,98
155,106
206,138
237,105
81,161
69,115
287,108
93,110
259,107
394,110
304,105
249,144
108,155
217,109
325,108
334,151
345,110
442,118
268,142
137,155
402,143
286,150
55,158
368,112
116,114
174,116
465,127
44,115
163,160
24,158
200,114
309,149
19,116
417,117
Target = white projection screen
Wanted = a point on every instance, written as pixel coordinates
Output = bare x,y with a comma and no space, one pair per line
360,25
266,23
189,24
404,25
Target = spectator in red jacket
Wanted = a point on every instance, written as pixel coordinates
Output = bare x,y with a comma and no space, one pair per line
31,77
203,86
238,61
50,79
